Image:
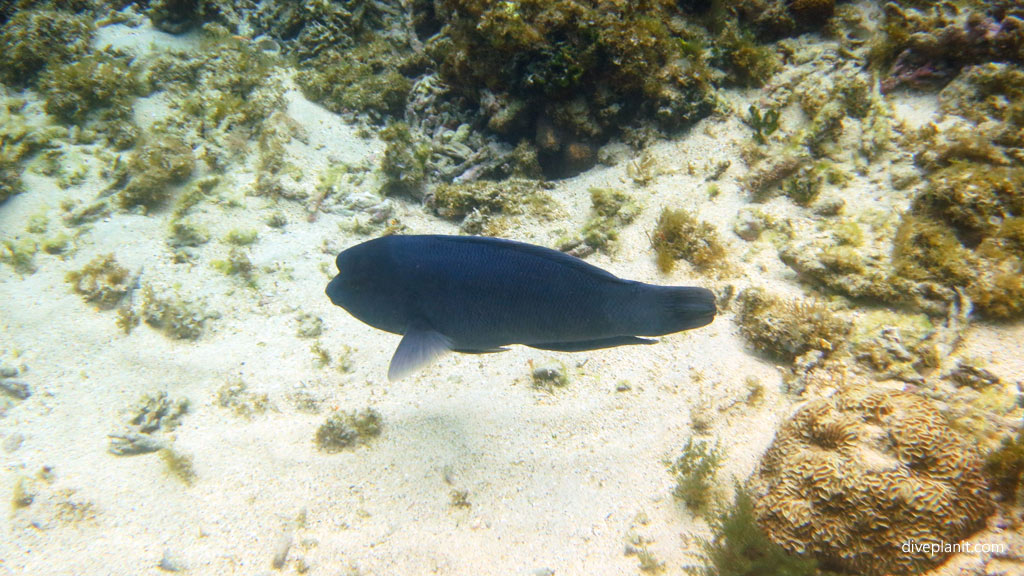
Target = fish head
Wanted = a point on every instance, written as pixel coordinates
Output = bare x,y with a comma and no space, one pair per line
355,281
366,287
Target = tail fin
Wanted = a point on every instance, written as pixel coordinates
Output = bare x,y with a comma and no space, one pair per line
677,308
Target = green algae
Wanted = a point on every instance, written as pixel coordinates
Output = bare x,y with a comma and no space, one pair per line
679,235
747,62
102,282
366,78
694,471
236,396
763,124
178,465
345,430
924,249
35,39
240,237
171,313
1005,466
611,210
152,171
20,254
973,198
740,548
238,265
405,162
103,83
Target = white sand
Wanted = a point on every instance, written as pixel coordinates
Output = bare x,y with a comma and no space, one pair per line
557,482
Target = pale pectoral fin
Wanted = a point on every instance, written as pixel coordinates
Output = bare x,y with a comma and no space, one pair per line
418,348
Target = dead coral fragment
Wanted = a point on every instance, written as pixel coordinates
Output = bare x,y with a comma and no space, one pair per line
679,235
481,204
787,328
612,210
102,282
762,181
158,412
849,477
347,429
178,318
235,394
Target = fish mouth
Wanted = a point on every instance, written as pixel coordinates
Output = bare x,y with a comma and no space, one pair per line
334,291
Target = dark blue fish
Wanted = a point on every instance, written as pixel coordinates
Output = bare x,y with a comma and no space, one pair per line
473,295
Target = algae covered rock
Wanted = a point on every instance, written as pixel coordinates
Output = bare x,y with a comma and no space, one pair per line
788,328
33,39
153,169
849,480
102,282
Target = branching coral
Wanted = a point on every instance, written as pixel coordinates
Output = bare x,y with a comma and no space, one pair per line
849,479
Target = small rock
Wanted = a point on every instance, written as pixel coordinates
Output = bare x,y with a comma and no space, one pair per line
8,371
967,374
171,561
13,442
748,226
550,375
132,443
15,388
829,206
281,548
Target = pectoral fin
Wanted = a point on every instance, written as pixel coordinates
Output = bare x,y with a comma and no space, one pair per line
418,348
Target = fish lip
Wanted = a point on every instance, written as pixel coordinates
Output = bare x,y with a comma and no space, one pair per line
332,289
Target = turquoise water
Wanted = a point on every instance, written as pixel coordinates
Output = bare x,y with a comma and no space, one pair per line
178,393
